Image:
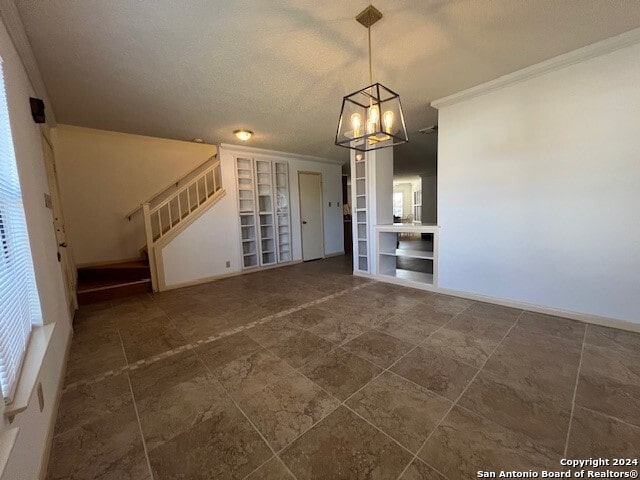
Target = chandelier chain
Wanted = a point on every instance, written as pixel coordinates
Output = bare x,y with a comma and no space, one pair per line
370,68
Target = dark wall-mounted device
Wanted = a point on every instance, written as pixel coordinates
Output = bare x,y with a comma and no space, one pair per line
37,109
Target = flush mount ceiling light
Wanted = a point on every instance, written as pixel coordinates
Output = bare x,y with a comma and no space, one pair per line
361,126
243,135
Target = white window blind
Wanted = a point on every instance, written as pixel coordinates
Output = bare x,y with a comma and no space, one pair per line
19,302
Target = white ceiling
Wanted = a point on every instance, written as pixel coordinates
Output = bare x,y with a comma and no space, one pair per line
193,68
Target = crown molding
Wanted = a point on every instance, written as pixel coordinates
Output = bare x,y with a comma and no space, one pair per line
15,28
275,153
556,63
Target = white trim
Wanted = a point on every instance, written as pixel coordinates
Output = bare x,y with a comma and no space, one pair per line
556,63
15,28
275,153
335,254
34,357
214,278
581,317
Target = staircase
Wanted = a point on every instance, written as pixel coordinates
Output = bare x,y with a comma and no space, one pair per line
165,215
107,282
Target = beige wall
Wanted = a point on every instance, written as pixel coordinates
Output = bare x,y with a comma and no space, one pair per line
29,452
103,175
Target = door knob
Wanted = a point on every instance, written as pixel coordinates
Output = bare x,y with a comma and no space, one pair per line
63,244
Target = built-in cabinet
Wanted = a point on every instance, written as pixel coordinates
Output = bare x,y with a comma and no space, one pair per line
360,216
264,209
415,264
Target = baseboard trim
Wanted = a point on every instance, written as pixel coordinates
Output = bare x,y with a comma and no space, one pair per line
581,317
200,281
213,278
331,255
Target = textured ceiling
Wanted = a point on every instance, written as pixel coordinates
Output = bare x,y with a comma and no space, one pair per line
185,69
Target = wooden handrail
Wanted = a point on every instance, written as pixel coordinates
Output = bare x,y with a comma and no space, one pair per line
133,211
193,181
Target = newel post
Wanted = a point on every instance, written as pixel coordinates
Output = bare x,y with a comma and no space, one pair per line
151,254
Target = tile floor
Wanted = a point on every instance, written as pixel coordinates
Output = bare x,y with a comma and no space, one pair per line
308,372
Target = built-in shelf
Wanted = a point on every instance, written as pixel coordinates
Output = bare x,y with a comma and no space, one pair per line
422,254
263,192
412,267
420,277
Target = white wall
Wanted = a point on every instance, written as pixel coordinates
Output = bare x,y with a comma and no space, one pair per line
202,249
103,175
31,445
539,189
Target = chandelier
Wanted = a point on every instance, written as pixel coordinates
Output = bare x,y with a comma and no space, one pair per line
372,117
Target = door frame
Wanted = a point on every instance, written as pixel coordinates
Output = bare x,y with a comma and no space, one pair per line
319,174
66,262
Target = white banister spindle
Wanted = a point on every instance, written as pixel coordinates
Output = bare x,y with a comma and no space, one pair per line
204,186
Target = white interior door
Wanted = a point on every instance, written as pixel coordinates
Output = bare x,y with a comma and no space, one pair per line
64,252
310,185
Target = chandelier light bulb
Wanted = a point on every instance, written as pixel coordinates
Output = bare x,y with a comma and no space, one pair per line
374,114
356,123
387,121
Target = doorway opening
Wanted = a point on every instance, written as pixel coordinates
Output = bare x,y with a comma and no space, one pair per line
311,215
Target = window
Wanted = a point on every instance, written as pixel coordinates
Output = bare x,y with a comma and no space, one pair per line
19,301
397,204
417,205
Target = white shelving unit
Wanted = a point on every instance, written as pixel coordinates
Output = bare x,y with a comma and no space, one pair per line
264,186
360,216
283,213
247,211
263,206
388,254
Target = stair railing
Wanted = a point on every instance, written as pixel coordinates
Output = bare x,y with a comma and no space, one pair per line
172,185
181,205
